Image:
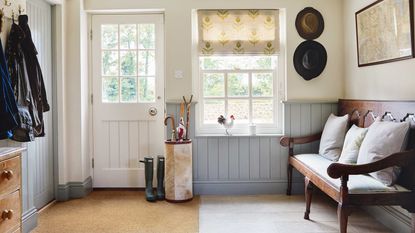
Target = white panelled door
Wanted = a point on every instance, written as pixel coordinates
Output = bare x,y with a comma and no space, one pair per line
128,94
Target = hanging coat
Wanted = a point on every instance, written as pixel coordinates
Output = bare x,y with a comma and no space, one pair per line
8,108
34,73
28,115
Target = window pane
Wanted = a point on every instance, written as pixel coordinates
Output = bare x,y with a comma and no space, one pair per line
239,109
129,89
262,111
128,63
238,62
238,84
213,85
110,90
262,84
147,36
109,36
110,63
128,36
146,63
212,110
147,89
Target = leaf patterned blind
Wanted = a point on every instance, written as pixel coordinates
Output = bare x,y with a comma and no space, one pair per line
238,32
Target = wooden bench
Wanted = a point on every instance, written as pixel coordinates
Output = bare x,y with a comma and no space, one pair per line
335,181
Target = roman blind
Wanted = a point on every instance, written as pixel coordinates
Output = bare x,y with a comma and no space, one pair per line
238,32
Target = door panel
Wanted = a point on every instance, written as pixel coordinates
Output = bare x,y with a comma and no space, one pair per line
128,81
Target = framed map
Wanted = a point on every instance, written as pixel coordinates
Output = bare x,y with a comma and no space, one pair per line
384,32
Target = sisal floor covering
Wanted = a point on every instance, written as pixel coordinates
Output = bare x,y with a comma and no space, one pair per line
119,212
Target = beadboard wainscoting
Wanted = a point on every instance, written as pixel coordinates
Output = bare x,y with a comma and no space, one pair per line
252,164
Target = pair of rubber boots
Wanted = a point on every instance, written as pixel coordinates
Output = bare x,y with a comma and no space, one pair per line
148,170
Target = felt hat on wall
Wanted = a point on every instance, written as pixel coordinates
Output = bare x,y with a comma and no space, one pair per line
309,23
310,59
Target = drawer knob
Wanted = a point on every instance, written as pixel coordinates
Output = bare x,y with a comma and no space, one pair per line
7,214
8,174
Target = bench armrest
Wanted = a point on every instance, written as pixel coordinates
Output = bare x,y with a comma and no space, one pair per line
290,142
401,159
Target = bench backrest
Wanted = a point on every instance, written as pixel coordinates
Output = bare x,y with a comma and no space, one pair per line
364,112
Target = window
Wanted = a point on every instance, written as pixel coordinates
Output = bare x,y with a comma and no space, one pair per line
239,70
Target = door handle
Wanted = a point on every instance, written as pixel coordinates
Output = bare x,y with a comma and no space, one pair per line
152,111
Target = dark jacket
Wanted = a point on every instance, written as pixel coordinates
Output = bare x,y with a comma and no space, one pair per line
34,73
28,115
8,108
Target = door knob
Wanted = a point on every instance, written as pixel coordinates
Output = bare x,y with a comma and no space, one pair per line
152,111
7,214
8,174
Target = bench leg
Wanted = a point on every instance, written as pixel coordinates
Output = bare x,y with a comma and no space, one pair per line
290,179
343,213
308,196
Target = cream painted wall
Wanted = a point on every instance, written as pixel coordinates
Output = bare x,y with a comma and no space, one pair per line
179,50
391,81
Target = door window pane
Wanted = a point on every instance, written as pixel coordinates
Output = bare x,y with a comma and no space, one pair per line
128,36
239,109
147,63
110,90
128,89
214,85
110,63
238,84
147,36
147,89
109,36
262,111
128,63
212,110
262,84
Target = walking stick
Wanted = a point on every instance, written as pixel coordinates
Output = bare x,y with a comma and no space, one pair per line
173,131
187,105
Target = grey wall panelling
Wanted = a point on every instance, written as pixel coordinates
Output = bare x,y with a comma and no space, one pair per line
252,164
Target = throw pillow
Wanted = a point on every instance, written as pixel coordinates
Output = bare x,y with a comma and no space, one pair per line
352,143
332,138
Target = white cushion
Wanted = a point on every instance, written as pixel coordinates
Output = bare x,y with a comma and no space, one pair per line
383,139
332,138
357,184
352,143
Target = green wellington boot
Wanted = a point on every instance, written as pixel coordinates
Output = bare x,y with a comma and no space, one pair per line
160,178
148,170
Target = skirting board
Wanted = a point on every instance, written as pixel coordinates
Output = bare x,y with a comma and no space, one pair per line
29,220
73,190
391,217
245,187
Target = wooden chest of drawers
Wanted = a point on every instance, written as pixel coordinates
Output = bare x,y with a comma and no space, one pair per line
10,190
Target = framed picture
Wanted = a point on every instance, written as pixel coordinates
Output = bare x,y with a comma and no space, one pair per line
384,32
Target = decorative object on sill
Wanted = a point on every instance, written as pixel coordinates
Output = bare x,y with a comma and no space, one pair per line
178,180
173,131
309,23
387,40
310,59
228,125
252,129
188,106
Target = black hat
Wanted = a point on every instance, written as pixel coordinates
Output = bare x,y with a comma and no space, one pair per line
309,23
310,59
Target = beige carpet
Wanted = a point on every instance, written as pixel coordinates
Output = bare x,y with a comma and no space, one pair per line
119,212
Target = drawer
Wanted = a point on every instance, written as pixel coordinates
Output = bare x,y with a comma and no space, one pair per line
10,212
9,175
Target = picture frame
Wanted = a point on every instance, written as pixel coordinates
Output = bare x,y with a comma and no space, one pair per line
384,32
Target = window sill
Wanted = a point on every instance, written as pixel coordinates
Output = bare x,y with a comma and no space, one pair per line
238,135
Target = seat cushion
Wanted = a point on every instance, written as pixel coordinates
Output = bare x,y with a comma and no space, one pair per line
358,184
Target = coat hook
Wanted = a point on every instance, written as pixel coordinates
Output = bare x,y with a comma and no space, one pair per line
7,3
21,10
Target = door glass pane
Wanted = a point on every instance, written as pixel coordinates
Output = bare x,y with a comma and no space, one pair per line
146,63
214,85
262,111
239,109
262,84
147,36
129,89
110,90
147,89
212,110
238,84
109,36
109,63
128,36
128,63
